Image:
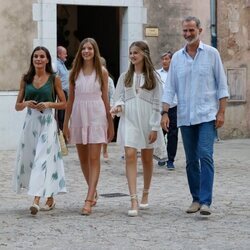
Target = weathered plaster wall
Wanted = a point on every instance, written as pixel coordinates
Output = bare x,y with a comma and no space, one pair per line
17,34
234,45
18,31
233,24
167,16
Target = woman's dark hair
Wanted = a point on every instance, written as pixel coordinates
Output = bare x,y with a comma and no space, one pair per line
28,77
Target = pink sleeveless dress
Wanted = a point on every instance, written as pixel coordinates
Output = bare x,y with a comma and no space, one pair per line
88,122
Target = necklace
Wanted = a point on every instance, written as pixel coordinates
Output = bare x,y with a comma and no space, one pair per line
39,81
137,82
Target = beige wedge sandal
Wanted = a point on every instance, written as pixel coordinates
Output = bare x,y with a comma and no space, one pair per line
133,212
144,206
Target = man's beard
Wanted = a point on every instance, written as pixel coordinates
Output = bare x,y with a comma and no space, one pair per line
195,39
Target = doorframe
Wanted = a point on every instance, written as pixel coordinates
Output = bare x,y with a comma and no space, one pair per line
132,17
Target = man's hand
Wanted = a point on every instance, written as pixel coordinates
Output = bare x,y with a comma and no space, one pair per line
220,118
165,122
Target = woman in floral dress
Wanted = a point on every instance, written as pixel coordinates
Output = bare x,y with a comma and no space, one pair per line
39,166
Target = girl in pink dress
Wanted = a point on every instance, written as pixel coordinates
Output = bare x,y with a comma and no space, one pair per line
87,110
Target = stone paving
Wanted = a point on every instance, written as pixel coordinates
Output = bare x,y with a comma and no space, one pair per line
164,226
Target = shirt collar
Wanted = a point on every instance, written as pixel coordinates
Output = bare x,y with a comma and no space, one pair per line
200,47
61,61
162,70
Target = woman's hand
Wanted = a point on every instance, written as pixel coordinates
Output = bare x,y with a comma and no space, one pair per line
115,110
66,133
111,131
30,104
42,106
152,137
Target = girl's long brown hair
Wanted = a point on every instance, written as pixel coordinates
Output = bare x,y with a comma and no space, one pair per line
79,61
148,67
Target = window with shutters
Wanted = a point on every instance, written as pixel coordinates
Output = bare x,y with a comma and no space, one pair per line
236,78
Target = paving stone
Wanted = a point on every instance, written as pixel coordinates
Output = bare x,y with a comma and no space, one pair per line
164,226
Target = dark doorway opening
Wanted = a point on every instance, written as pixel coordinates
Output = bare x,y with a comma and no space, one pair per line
101,23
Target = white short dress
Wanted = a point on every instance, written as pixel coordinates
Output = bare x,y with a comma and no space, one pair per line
140,113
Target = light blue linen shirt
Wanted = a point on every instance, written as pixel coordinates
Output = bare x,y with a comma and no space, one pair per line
63,72
199,83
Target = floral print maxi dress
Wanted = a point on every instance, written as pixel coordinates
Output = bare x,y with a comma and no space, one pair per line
39,165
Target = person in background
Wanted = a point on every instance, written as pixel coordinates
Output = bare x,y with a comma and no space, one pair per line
196,75
111,89
63,73
39,164
88,107
138,97
172,134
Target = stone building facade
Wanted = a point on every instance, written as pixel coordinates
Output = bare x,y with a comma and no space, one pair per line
234,46
115,24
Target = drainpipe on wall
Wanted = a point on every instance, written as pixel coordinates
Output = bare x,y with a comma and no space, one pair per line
213,15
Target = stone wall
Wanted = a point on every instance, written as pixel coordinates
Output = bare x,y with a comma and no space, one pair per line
167,16
234,46
233,37
17,33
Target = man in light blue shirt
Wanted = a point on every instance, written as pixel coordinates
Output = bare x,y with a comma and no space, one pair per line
172,135
197,77
63,72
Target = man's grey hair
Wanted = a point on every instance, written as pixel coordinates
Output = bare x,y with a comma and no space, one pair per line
192,18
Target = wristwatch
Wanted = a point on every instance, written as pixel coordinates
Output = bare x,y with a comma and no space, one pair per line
163,112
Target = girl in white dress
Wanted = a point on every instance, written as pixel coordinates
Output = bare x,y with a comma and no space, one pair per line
138,100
